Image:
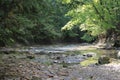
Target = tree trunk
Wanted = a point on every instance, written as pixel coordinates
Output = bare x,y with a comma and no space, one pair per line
107,40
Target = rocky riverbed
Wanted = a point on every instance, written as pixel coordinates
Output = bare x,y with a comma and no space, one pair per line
64,64
13,69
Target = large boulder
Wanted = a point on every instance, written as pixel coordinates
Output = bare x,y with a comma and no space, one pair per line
103,60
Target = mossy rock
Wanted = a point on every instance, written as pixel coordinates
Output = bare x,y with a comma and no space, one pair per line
103,60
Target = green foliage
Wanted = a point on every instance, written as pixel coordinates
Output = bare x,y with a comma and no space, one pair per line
96,16
40,21
87,37
72,35
33,21
66,1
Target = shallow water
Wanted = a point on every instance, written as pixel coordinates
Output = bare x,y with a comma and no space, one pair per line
57,62
70,53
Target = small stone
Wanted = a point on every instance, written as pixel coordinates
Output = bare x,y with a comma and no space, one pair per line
118,55
65,65
57,57
90,54
36,78
30,56
55,61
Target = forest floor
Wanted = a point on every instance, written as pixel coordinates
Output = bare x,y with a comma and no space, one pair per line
13,67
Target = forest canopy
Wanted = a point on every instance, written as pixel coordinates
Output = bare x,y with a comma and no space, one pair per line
48,21
95,16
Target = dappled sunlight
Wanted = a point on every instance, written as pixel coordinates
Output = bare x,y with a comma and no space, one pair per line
96,1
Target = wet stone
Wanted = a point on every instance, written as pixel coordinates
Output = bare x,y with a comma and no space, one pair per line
90,54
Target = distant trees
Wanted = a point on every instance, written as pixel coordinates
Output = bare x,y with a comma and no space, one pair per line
36,21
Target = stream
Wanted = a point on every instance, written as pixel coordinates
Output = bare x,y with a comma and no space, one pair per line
57,62
62,53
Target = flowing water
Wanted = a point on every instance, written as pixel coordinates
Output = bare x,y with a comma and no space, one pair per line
62,53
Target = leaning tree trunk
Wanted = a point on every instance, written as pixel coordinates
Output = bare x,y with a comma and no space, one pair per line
101,38
113,38
107,40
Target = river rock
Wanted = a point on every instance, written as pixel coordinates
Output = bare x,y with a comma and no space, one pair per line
90,54
104,60
118,55
30,56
